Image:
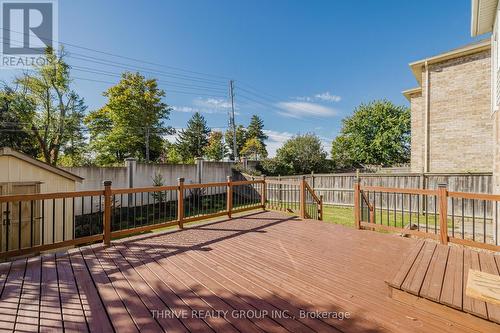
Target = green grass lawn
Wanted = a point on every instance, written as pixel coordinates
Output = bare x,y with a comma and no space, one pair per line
345,216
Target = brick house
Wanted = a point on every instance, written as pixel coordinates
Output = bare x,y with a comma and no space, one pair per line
451,126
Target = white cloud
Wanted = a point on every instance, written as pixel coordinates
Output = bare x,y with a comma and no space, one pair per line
206,105
323,97
212,103
186,109
275,140
327,97
305,109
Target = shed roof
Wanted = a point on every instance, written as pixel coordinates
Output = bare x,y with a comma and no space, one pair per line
7,151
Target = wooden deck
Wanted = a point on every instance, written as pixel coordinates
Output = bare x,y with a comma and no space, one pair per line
439,273
262,272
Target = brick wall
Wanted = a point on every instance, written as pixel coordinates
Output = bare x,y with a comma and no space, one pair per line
460,124
417,132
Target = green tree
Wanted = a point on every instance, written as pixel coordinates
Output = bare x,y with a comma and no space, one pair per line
255,130
241,138
302,154
132,122
378,133
52,111
254,148
191,141
14,133
215,150
171,153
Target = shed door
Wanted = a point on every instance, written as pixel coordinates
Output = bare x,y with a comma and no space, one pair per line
18,218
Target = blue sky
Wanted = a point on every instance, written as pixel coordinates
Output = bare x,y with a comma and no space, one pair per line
301,65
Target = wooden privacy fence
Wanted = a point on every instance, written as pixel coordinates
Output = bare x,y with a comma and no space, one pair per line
432,213
42,222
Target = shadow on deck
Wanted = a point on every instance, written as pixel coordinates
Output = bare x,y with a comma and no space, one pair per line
261,272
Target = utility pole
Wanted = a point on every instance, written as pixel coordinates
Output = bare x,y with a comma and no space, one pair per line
231,119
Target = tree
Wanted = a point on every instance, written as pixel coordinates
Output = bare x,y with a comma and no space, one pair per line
241,137
378,133
191,141
253,147
303,154
132,122
215,150
52,111
13,131
255,130
170,153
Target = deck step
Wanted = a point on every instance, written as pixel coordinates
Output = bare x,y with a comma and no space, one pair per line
439,273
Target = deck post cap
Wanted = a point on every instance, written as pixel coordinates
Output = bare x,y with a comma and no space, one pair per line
442,185
107,182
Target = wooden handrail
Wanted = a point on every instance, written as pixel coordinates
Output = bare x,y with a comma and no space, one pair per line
44,196
398,190
310,190
107,205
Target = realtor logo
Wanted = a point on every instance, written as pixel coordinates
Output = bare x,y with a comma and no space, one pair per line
27,29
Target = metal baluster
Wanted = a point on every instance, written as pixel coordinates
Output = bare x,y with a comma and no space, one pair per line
19,235
64,218
31,223
484,221
53,220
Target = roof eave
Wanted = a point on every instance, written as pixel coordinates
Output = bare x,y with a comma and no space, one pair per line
6,151
416,66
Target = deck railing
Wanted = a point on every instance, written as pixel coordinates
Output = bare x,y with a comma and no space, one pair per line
41,222
458,217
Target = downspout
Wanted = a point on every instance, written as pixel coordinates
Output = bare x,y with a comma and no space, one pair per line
426,118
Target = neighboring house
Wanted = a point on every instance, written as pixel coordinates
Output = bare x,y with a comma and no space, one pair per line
22,174
484,19
451,127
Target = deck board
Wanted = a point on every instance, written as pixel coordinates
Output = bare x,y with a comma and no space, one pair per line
262,262
433,281
472,305
415,278
444,271
452,290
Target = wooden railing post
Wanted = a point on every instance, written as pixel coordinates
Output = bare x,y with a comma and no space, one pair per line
321,207
303,197
180,202
229,200
107,213
357,213
443,213
263,193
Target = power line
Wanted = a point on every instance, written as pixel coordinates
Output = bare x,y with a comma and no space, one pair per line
168,90
123,57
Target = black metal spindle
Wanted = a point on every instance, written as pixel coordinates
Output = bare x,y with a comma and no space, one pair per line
484,221
64,218
31,223
53,220
19,234
452,217
7,226
473,220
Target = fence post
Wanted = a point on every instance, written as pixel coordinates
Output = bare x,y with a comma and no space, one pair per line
107,213
229,200
357,217
443,213
303,197
263,193
180,202
321,207
313,183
